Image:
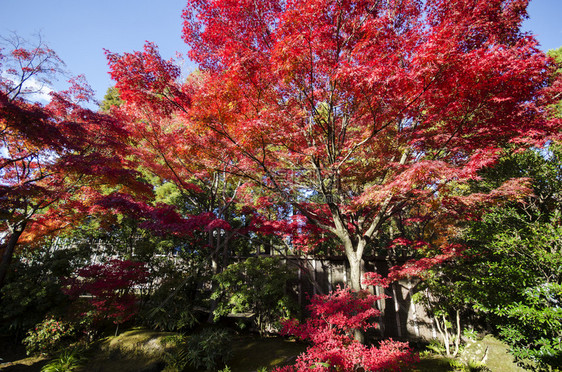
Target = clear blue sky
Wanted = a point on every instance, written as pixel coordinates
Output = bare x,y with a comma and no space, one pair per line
79,30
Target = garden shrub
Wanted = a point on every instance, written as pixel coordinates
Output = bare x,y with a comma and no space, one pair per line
256,285
508,279
210,349
175,356
33,289
334,319
48,336
171,306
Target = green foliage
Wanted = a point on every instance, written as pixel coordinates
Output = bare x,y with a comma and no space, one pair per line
176,360
25,302
33,288
67,361
470,366
511,273
557,55
470,334
170,307
177,319
168,193
174,340
48,336
256,285
209,349
111,99
436,347
518,274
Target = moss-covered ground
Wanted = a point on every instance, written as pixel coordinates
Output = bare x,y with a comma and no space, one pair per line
140,350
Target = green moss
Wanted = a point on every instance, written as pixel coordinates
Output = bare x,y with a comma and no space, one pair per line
433,363
251,353
135,350
498,358
136,341
142,350
489,352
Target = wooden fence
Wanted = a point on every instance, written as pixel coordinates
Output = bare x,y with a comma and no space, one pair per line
400,316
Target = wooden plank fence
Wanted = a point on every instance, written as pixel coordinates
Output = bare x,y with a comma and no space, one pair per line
401,318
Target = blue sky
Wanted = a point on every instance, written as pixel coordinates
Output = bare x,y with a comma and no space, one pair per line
79,30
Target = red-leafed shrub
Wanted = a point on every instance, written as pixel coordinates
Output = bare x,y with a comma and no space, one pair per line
330,328
109,287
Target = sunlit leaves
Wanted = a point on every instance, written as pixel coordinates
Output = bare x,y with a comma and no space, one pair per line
373,107
333,318
56,159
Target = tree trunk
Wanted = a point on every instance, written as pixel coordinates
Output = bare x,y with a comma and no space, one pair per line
354,255
215,271
9,249
458,336
355,272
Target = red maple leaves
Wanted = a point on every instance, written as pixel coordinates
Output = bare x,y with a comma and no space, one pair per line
372,107
330,328
110,287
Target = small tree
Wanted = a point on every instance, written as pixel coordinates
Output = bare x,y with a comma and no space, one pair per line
56,158
331,327
110,286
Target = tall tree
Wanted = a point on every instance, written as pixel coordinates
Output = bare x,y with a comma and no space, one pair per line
54,158
352,111
110,99
176,157
511,272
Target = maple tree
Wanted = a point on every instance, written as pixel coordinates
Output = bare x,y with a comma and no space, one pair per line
354,111
111,288
202,206
56,158
330,328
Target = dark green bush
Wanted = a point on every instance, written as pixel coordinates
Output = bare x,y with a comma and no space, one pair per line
210,349
256,285
171,306
33,289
